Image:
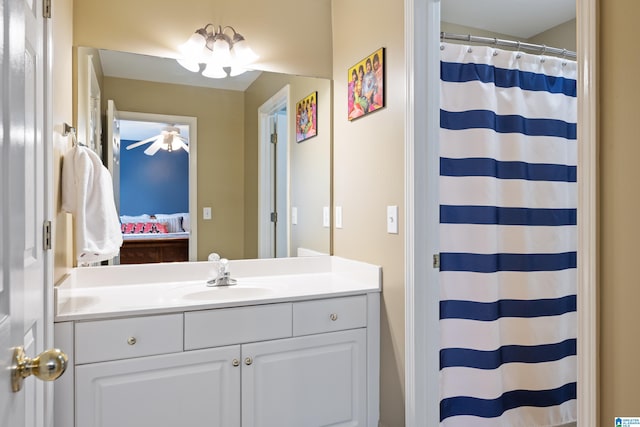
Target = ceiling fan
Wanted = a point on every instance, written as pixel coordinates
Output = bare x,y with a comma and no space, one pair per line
169,139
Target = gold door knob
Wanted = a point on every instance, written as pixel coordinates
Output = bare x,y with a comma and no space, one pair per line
248,361
333,317
47,366
235,362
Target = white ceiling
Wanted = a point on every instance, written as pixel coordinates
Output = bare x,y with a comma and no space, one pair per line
519,18
137,131
165,70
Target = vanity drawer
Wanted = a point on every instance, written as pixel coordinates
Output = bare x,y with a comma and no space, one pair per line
328,315
102,340
225,326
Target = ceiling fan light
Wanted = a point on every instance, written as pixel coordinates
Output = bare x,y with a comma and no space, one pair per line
214,71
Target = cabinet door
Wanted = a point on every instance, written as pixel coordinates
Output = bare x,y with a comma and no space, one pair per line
196,389
311,381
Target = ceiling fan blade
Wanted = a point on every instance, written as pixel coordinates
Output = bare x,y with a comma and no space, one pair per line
139,143
184,146
153,148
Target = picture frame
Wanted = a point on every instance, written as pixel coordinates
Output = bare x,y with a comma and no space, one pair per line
307,117
366,85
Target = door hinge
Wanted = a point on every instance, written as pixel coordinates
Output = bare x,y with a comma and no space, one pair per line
436,260
274,138
46,240
46,8
274,216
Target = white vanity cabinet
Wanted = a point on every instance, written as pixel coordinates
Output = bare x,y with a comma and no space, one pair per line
196,389
286,364
316,380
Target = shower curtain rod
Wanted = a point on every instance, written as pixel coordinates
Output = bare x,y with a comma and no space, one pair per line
539,48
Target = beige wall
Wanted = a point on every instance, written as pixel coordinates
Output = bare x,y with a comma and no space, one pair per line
291,36
562,36
369,174
310,161
619,205
448,27
62,112
311,169
220,151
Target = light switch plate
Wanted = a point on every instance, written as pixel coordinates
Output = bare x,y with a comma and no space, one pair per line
206,213
326,217
338,216
392,219
294,215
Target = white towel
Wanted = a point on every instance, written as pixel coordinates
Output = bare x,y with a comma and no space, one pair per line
87,193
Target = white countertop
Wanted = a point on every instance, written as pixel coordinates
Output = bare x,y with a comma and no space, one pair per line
90,293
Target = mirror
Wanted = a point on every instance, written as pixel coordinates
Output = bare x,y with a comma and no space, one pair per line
229,161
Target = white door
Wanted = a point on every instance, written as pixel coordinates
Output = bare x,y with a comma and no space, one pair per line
24,319
113,148
198,388
112,156
310,381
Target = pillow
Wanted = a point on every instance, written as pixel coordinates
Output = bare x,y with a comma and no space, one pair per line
173,221
124,219
186,221
144,227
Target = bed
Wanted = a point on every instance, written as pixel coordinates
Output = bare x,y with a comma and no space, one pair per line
152,238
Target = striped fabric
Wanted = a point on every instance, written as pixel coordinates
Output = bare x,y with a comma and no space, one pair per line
508,238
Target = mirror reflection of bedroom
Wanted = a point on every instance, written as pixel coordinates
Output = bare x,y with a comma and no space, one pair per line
220,196
154,191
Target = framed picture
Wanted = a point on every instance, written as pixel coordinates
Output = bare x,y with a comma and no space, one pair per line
366,85
307,117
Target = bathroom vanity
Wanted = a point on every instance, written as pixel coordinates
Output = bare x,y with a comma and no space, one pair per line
294,343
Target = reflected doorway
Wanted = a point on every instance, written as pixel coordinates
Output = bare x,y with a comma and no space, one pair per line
273,216
156,185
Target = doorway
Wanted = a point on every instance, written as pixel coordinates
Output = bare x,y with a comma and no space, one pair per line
273,175
134,126
422,25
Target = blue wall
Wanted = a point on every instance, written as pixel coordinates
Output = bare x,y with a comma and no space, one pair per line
153,184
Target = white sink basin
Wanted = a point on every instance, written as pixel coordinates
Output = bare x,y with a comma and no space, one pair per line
227,292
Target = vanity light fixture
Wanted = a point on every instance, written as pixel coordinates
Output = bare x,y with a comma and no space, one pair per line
218,50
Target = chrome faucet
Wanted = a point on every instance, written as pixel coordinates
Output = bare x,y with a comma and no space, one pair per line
223,275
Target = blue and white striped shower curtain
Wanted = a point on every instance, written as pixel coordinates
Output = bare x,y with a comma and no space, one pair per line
508,152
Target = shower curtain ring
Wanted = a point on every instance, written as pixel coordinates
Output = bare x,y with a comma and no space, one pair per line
544,50
518,55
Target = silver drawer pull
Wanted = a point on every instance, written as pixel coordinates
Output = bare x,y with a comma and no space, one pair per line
248,361
235,362
132,341
333,317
